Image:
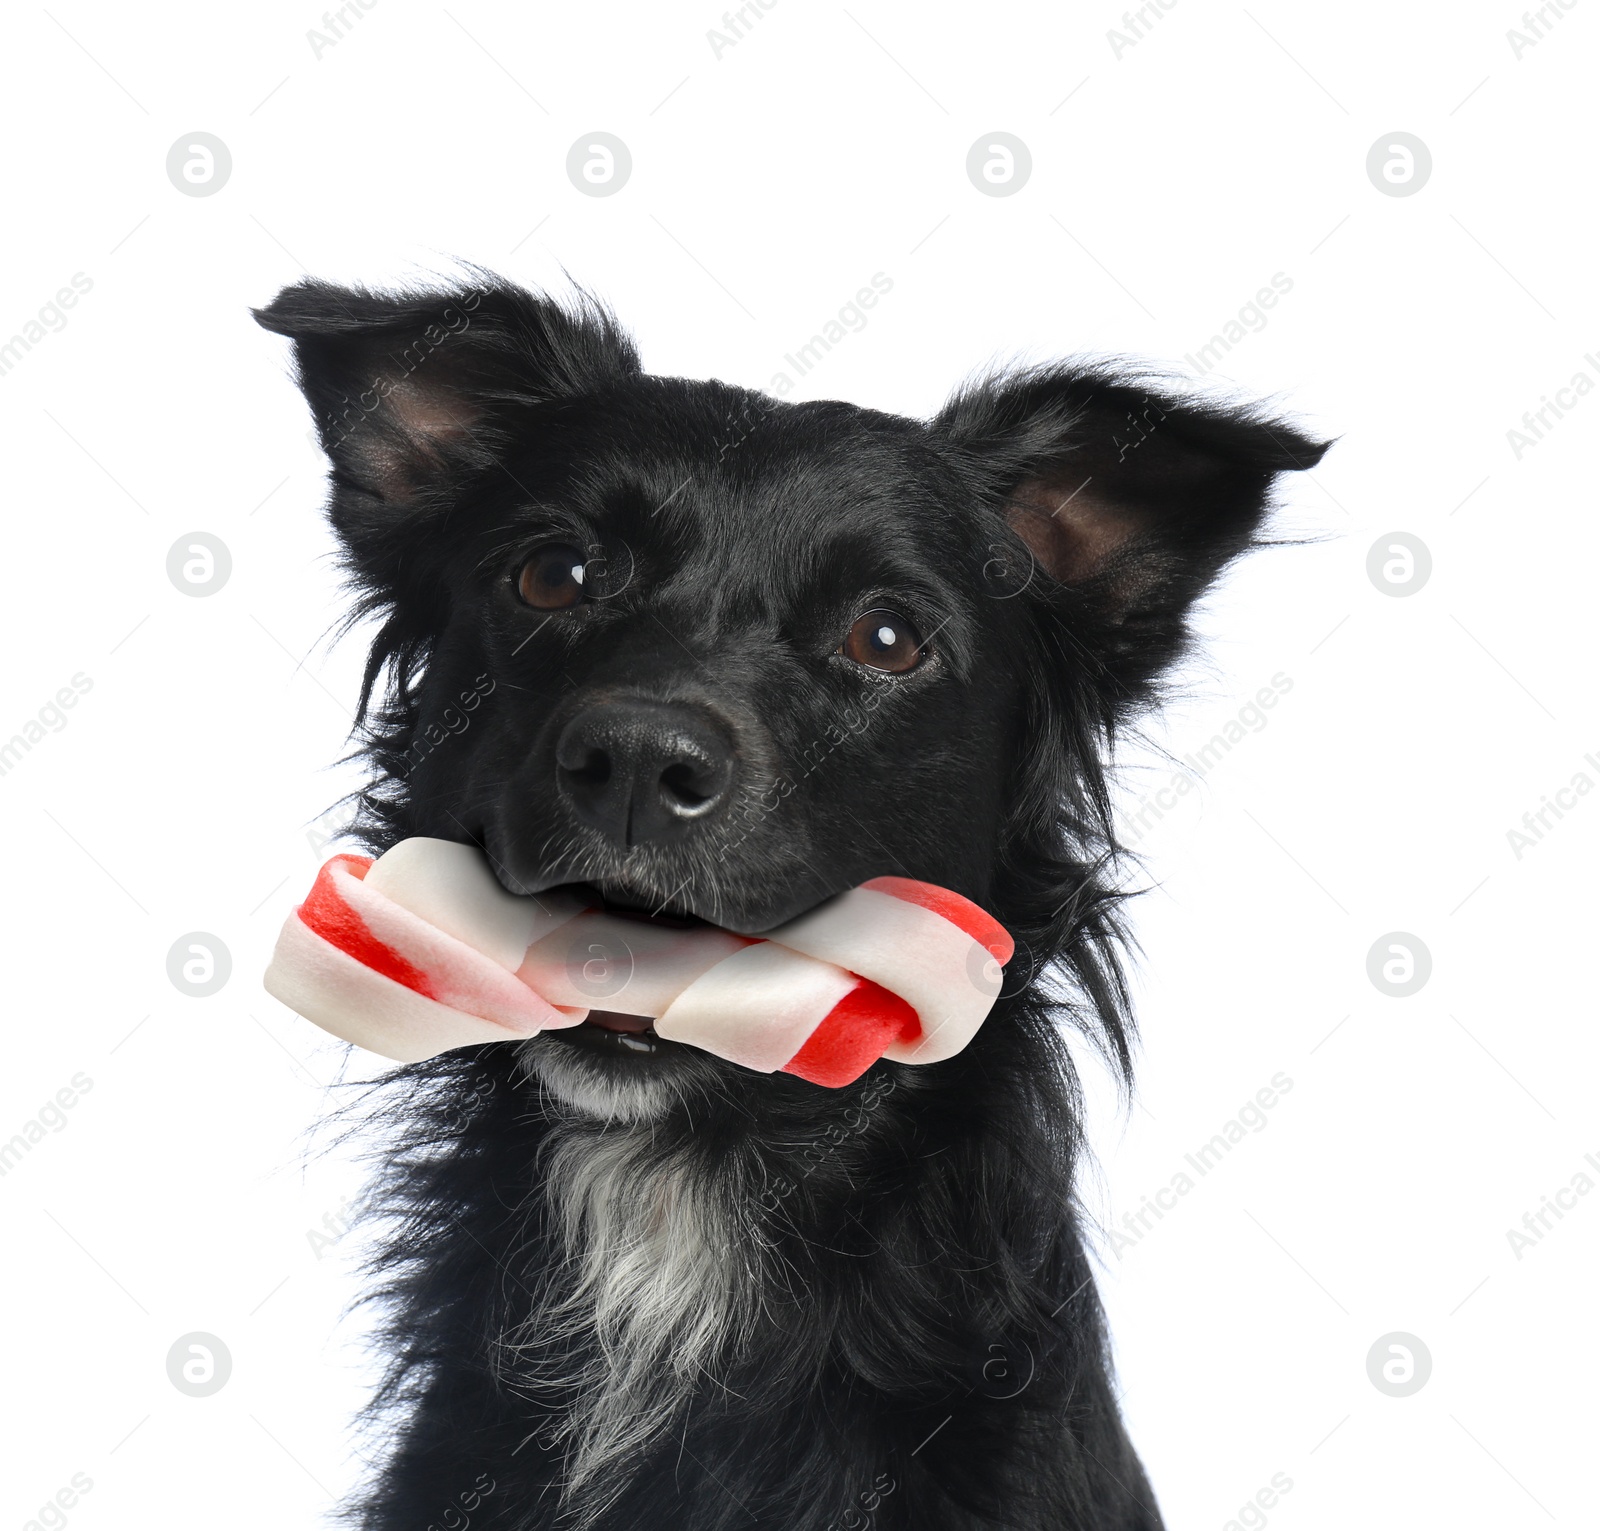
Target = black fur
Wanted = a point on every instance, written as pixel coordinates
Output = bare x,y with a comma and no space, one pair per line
927,1349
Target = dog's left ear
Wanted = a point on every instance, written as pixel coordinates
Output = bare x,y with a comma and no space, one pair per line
1129,499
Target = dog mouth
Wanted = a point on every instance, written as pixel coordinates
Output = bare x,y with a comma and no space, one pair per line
749,902
629,903
615,1033
622,1039
612,1034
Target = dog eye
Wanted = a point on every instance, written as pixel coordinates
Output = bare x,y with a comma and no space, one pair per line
884,640
552,579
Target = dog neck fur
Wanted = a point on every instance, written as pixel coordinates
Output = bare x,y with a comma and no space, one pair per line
658,1281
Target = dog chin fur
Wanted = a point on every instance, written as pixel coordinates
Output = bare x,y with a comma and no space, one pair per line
594,1087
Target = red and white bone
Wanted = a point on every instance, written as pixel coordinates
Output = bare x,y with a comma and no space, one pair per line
423,950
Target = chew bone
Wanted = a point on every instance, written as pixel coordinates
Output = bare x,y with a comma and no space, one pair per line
422,951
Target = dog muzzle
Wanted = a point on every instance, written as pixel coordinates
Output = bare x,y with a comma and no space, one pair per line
422,951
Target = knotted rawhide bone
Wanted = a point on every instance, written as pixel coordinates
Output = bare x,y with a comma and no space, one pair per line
422,950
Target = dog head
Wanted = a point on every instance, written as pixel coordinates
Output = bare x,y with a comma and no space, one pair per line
715,656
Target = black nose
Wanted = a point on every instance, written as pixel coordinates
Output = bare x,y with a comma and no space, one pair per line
643,770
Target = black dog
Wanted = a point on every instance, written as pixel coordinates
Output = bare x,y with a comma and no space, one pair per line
721,657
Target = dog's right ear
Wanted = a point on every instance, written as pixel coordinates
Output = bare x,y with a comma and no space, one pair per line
407,388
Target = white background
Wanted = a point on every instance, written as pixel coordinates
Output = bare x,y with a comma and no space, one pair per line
1170,181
